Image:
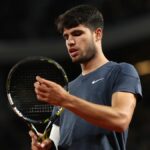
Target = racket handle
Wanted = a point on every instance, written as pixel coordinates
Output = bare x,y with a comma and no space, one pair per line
52,120
60,111
48,127
55,117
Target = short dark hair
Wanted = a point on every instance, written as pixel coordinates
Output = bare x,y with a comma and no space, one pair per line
82,14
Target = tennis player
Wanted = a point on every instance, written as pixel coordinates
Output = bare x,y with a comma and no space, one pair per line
101,100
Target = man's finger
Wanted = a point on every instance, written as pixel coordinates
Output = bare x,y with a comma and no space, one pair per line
33,135
46,144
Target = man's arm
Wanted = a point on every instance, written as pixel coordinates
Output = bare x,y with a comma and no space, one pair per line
115,117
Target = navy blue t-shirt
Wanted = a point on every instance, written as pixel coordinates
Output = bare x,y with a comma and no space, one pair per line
97,87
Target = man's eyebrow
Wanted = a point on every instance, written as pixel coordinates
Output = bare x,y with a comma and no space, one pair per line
64,34
72,32
77,30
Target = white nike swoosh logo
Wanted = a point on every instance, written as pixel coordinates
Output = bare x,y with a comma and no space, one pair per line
95,81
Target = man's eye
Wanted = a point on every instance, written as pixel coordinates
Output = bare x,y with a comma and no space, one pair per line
65,37
77,33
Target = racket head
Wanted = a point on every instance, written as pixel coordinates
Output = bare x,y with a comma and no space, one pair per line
20,87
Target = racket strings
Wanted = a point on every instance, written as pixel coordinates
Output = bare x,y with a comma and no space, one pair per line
39,109
21,87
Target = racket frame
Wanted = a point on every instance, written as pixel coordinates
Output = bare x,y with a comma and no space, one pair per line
50,120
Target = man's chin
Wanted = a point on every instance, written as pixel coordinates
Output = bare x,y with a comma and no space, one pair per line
75,60
78,61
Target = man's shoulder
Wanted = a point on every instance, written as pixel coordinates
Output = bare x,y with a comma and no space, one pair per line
128,69
122,65
123,68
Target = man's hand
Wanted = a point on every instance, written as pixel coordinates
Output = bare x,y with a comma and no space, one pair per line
36,145
49,91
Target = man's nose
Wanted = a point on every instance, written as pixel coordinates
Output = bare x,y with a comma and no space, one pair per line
71,41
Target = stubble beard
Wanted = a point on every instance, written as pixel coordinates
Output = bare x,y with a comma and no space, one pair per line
90,53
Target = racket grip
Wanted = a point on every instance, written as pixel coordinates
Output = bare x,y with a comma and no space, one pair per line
56,116
60,111
52,120
48,127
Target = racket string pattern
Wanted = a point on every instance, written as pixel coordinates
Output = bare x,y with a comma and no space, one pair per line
20,88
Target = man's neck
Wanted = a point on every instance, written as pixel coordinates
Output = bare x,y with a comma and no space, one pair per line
93,64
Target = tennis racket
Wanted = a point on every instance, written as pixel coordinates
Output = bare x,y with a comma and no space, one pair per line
21,95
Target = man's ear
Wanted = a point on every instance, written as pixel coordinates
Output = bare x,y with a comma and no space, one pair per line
98,33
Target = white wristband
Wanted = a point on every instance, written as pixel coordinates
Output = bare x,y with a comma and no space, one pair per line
55,135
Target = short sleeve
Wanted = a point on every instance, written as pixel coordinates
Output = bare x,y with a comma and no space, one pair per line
127,80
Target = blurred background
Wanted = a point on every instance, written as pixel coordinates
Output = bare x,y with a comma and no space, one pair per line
27,28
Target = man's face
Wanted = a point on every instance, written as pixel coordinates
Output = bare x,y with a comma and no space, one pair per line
80,43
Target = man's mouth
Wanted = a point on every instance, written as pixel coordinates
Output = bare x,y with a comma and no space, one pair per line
73,52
